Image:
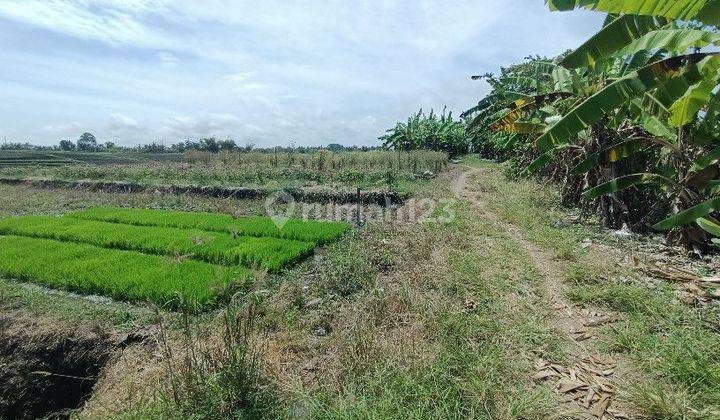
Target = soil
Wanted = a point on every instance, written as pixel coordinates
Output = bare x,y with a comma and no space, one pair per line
47,370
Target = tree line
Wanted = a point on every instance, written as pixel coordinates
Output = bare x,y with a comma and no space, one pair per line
87,142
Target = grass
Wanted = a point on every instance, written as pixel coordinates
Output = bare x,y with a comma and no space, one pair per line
70,308
319,232
214,377
411,348
417,320
275,170
24,199
214,247
671,345
122,275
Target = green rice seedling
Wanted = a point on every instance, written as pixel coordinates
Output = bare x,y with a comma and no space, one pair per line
223,248
121,275
302,230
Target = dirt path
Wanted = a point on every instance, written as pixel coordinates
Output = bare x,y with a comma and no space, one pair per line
585,383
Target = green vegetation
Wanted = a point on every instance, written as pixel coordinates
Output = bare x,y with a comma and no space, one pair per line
674,345
431,132
628,121
29,160
123,275
319,232
214,247
215,380
388,170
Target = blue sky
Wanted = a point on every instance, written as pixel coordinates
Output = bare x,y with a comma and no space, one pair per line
267,73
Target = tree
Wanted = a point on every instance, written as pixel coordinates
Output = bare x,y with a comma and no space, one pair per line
227,145
87,142
67,145
431,132
632,117
209,145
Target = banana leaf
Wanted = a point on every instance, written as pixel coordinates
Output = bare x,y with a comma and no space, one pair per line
507,120
542,161
627,181
620,91
636,61
653,125
563,79
672,40
482,117
690,215
709,226
706,11
613,37
489,100
611,154
610,18
519,108
684,110
523,127
706,160
519,81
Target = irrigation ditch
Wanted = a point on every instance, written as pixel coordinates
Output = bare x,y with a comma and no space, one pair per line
48,370
380,198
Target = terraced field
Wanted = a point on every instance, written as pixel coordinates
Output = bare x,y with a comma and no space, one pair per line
175,259
56,158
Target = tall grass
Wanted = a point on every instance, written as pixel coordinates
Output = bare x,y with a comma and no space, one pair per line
216,377
256,169
319,232
326,161
215,247
122,275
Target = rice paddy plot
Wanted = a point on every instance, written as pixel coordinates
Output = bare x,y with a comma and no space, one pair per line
119,274
175,259
215,247
319,232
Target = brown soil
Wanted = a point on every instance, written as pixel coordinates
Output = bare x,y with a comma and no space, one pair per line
47,369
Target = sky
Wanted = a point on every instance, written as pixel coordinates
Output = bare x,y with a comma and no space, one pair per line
267,73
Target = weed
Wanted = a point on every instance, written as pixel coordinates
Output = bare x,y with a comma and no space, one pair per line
216,378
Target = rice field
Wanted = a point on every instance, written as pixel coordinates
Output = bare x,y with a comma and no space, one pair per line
214,247
174,259
121,275
376,170
319,232
56,159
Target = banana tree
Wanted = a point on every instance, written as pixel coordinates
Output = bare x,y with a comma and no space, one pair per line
428,132
676,91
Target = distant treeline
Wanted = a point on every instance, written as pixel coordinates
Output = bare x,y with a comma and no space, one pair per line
89,143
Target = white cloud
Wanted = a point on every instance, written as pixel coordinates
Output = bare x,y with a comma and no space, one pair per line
120,122
139,70
70,128
216,125
114,22
168,58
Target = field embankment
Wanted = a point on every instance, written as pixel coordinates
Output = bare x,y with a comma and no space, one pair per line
511,308
310,177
